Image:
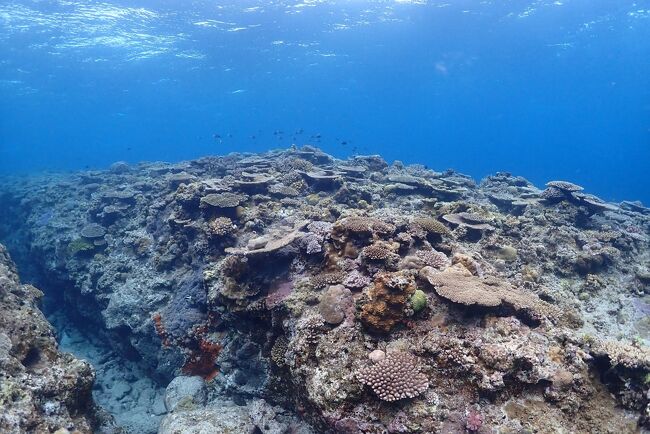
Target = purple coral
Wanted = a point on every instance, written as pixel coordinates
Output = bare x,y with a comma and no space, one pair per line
356,280
278,293
474,421
312,243
433,258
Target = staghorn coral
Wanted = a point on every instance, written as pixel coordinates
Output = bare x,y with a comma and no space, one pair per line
395,377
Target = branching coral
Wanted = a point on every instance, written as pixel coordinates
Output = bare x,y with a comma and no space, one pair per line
395,377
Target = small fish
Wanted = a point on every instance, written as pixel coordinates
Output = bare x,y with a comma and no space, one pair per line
234,92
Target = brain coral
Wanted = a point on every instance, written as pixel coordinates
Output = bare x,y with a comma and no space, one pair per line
335,303
395,377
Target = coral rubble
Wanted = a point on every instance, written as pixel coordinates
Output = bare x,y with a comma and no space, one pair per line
291,291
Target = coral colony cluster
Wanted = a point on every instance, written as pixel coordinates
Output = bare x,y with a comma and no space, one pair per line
292,292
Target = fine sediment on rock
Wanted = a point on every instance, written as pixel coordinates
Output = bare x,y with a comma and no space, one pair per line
286,282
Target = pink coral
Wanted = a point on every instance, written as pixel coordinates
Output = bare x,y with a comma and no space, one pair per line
474,421
278,293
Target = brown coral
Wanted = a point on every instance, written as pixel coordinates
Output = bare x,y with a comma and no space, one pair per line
459,286
279,351
432,226
363,225
387,300
221,227
324,279
377,252
395,377
335,304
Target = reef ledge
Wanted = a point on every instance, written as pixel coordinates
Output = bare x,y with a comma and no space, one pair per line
293,292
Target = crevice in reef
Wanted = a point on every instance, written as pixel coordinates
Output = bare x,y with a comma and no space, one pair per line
123,386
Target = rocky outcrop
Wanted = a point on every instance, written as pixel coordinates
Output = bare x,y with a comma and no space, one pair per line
42,390
277,278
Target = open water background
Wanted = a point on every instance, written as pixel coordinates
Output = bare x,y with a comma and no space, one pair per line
544,89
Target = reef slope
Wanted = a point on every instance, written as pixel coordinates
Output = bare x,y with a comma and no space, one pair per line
352,296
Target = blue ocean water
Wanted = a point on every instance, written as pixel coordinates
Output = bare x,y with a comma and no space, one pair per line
543,89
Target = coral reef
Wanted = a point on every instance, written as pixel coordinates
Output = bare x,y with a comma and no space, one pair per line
290,291
397,376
